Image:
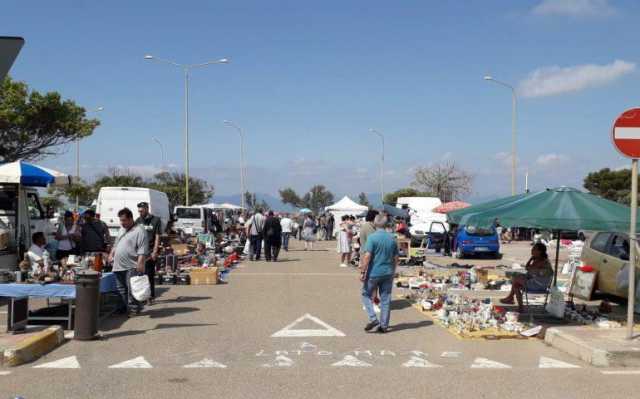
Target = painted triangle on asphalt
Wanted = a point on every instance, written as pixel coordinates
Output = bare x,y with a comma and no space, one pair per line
205,364
291,332
136,363
280,361
419,362
70,362
451,355
3,373
482,363
549,363
351,361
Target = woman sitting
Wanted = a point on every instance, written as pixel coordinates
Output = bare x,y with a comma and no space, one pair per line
536,280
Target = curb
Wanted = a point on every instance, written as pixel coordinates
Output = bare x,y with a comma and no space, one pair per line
33,347
577,348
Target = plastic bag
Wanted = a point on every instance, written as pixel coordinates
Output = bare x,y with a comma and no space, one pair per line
140,288
556,305
622,278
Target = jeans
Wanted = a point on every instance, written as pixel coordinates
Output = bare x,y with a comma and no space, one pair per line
285,241
150,271
124,290
256,245
384,285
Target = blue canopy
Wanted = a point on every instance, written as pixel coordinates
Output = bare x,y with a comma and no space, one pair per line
27,174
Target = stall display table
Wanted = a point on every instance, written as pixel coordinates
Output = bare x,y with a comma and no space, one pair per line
67,292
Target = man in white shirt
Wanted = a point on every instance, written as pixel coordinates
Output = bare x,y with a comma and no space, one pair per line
38,256
287,226
255,226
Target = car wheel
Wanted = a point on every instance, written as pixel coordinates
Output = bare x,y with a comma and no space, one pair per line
497,255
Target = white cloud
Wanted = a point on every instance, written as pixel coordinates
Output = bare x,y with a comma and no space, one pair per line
555,80
575,8
551,159
504,158
447,156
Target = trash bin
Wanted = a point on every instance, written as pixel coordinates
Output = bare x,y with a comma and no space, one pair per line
87,305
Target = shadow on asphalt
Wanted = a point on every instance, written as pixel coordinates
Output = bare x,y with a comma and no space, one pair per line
167,312
181,299
161,326
400,304
411,326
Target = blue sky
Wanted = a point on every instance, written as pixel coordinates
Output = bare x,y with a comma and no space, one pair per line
308,79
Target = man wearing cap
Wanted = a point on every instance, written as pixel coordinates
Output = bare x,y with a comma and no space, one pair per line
94,234
153,226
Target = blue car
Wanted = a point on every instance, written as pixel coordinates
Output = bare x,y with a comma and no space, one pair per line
470,240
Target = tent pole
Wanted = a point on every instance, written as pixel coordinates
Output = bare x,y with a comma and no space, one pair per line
555,273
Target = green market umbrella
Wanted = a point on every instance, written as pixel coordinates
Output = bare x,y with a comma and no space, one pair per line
558,209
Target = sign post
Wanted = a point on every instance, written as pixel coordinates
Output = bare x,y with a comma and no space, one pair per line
626,138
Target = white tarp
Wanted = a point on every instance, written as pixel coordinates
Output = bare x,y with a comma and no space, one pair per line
346,206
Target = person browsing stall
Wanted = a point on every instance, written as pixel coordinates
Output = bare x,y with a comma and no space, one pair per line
68,236
128,255
377,272
37,255
153,226
95,235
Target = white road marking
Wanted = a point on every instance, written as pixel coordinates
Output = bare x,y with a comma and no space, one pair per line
351,361
451,355
419,362
205,364
620,372
70,362
482,363
549,363
136,363
280,361
327,331
307,347
3,373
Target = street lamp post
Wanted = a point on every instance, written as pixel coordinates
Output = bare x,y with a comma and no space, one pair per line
377,133
186,69
514,114
95,111
243,176
162,153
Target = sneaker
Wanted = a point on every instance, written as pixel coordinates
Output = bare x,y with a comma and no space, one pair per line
371,325
381,330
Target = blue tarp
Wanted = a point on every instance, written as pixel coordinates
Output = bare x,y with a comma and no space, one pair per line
107,284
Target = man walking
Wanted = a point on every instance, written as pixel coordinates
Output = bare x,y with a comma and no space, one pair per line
272,237
287,227
153,226
367,228
255,226
377,271
128,256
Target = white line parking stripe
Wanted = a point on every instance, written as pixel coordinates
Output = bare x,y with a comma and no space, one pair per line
620,372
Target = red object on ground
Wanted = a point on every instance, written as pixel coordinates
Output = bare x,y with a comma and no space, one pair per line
626,133
451,206
228,262
586,268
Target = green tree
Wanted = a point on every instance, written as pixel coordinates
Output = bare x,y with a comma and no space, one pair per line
52,202
32,124
614,185
85,192
253,204
289,196
173,184
363,200
317,198
392,198
117,177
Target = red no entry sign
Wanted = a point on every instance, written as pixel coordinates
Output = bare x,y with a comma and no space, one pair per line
626,133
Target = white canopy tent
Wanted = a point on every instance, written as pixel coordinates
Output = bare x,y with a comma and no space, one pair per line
346,206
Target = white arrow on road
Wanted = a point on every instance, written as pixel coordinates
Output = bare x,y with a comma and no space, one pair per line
280,361
351,361
136,363
70,362
419,362
205,364
549,363
482,363
325,331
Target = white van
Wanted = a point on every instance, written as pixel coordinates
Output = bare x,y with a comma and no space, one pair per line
190,220
21,215
112,199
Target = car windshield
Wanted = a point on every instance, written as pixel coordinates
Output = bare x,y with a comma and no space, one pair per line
188,213
478,231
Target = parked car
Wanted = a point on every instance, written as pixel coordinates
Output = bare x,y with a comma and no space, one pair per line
471,240
112,199
607,252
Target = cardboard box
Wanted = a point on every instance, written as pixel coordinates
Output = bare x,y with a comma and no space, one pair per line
202,276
